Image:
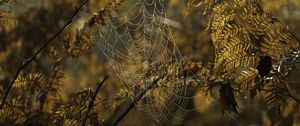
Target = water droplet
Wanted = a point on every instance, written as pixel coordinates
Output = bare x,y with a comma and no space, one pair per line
145,64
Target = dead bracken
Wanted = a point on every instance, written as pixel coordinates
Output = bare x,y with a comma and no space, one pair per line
163,62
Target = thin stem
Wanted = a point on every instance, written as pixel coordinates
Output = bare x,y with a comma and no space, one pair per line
136,99
25,63
90,106
294,98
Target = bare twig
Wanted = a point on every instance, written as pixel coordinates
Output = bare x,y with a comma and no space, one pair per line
294,98
25,63
90,106
116,120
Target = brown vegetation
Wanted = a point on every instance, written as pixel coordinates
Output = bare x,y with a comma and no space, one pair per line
167,62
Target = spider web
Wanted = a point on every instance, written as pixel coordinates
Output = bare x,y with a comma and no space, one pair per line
139,46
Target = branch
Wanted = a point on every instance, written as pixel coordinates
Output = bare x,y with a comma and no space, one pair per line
25,63
294,98
115,121
90,106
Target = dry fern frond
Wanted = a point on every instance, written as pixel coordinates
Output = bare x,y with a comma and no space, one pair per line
74,110
8,20
278,42
245,77
85,37
70,122
245,23
242,33
190,5
256,20
29,80
234,54
267,32
6,113
14,115
2,2
103,16
276,93
233,48
239,60
14,111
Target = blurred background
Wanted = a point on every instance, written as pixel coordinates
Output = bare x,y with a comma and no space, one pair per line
73,63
